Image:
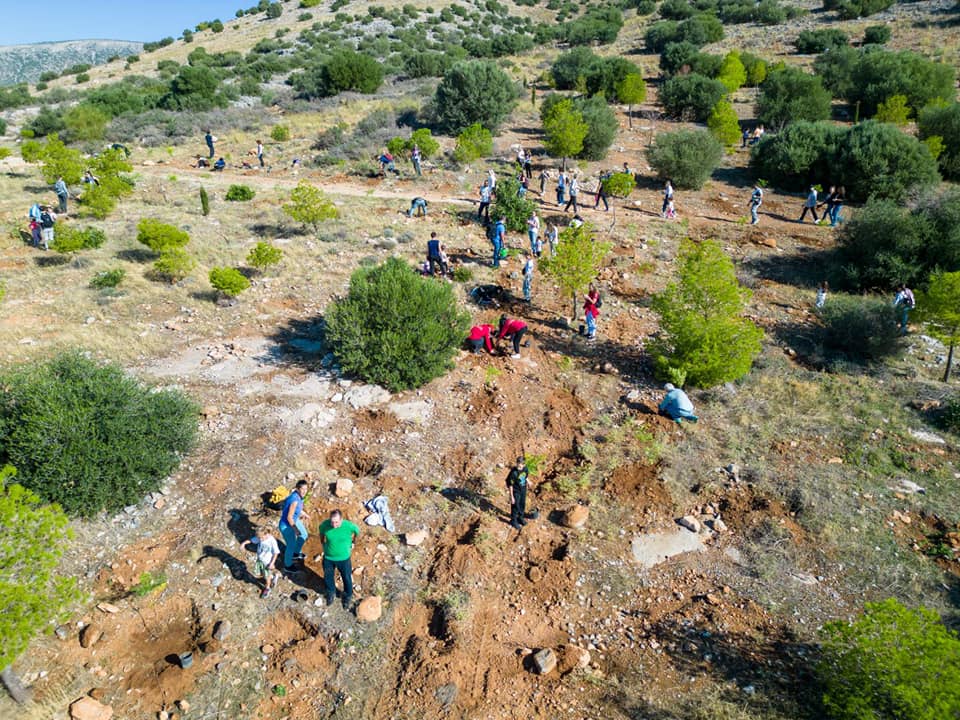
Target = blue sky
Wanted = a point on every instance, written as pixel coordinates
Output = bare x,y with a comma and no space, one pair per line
144,20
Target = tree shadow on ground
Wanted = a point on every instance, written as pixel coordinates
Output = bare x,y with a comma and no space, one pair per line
301,342
47,261
276,230
136,255
806,268
465,496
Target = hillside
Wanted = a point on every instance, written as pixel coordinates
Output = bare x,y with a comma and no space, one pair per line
25,63
666,571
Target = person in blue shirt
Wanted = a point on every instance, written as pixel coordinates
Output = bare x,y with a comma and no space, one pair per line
210,140
676,405
291,526
499,236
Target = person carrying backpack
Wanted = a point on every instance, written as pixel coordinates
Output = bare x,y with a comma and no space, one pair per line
906,302
756,200
574,193
47,220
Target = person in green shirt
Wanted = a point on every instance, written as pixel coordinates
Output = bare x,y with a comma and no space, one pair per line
337,536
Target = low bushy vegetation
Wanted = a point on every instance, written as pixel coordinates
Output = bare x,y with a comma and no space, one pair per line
857,328
871,159
473,143
396,328
310,206
691,97
240,193
788,95
853,9
508,204
108,278
942,121
88,436
70,239
160,236
812,42
264,255
474,92
229,281
686,157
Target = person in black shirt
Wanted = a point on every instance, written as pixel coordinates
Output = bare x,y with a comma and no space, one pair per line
517,485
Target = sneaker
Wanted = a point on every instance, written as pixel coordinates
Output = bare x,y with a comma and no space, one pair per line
330,600
265,592
516,525
516,356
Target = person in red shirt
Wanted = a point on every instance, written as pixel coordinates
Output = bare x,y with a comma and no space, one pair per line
480,337
515,330
591,311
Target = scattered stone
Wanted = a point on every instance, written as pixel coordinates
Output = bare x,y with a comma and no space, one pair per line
163,715
98,693
363,396
718,525
908,486
690,523
86,708
576,517
221,630
927,437
210,411
446,694
108,608
835,461
90,635
370,609
712,599
633,396
183,705
733,470
415,538
343,487
159,504
902,517
544,661
267,649
62,632
535,574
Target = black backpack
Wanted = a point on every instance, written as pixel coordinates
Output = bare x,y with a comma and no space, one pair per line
45,220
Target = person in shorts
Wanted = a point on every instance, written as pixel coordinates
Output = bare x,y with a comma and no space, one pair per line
265,566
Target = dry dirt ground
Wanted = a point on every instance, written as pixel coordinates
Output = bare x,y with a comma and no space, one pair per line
647,619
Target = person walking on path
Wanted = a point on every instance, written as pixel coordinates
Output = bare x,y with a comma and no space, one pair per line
499,237
561,187
543,177
822,294
483,213
533,232
829,200
744,137
210,140
528,267
553,237
602,193
515,330
418,206
667,197
528,165
756,200
574,193
591,310
517,487
492,180
810,204
906,302
265,566
292,529
838,198
415,158
337,536
60,188
260,152
47,220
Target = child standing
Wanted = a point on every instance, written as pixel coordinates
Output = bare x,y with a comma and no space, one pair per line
671,211
591,310
821,294
265,566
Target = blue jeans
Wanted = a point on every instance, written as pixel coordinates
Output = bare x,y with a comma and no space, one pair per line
835,215
210,147
416,165
330,580
561,194
527,279
417,207
904,317
591,325
497,247
532,234
293,540
753,214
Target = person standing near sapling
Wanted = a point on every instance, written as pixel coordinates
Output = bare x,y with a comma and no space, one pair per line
591,310
574,194
260,152
292,529
822,294
499,237
667,198
527,276
533,232
60,188
415,157
337,536
210,140
483,213
756,200
265,566
517,487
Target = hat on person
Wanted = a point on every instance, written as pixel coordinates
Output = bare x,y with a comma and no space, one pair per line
669,386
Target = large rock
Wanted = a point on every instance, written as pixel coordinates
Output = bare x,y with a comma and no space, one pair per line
576,517
343,487
90,635
690,523
370,609
363,396
544,661
573,658
222,630
415,538
86,708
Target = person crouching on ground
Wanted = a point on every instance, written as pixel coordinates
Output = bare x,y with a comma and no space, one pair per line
479,338
418,206
515,330
436,256
676,405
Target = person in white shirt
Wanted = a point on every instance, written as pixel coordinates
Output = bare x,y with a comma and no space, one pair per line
265,566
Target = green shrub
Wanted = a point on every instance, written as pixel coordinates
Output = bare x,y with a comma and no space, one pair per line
462,274
514,208
602,127
876,35
686,157
703,337
204,202
473,143
349,70
619,185
194,89
159,236
801,154
853,9
174,264
661,34
599,24
732,73
239,193
949,418
563,128
84,123
700,30
82,78
108,278
147,583
274,10
5,153
691,97
943,121
577,262
676,10
858,329
69,239
724,124
756,69
309,3
280,133
263,255
47,122
474,91
894,110
812,42
892,662
89,437
789,95
396,328
310,206
229,281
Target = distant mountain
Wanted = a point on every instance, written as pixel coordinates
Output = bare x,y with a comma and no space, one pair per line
24,63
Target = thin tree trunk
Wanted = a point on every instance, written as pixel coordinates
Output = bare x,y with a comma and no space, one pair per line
11,681
630,116
946,374
574,307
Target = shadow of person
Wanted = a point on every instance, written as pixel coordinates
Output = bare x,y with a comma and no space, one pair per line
240,525
237,567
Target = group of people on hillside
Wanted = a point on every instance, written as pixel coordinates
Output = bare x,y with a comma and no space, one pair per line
833,201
